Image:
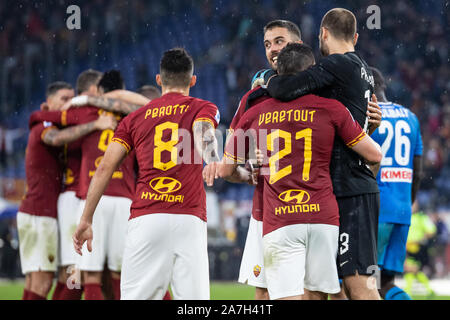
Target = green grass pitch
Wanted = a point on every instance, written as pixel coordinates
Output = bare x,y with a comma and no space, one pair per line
219,291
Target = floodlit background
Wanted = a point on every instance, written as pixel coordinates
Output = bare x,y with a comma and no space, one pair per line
225,39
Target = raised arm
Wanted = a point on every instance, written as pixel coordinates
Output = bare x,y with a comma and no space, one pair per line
114,155
128,96
103,102
56,137
290,87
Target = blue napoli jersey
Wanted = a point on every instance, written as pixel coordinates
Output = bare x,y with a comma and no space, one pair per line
400,140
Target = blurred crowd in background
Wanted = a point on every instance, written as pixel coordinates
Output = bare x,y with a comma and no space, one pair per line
225,38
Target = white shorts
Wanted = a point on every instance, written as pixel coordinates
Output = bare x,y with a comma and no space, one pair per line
252,264
301,256
68,211
109,227
38,243
163,249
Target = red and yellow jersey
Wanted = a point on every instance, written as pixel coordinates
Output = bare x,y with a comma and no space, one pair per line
93,148
249,100
170,169
43,169
298,138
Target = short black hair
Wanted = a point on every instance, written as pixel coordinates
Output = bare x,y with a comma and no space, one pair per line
295,57
341,23
54,87
149,91
86,79
111,80
176,68
289,25
380,83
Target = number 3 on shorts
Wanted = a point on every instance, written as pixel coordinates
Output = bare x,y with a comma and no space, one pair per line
343,238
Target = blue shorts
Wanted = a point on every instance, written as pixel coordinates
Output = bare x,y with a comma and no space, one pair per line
392,246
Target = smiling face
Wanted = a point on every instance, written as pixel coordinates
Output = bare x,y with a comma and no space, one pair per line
275,39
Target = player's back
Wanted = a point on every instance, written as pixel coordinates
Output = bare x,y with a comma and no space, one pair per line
353,87
300,136
170,169
43,168
400,140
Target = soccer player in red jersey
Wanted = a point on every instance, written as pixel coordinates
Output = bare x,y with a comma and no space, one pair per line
36,219
166,241
277,34
300,213
68,202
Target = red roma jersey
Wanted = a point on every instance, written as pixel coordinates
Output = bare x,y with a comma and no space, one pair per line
249,100
43,169
170,170
298,138
72,151
93,147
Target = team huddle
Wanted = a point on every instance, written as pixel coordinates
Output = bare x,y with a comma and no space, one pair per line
115,179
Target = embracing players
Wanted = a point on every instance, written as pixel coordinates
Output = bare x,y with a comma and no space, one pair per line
37,216
300,213
343,75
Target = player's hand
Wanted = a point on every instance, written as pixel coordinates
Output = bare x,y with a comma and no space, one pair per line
105,122
257,83
82,234
374,114
78,101
210,172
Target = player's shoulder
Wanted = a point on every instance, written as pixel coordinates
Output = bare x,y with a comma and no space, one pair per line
322,102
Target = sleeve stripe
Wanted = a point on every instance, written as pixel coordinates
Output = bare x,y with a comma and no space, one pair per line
123,143
205,120
356,140
232,157
229,156
44,132
64,118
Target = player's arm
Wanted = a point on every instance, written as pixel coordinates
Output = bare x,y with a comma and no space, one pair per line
56,137
128,96
105,103
114,155
205,141
417,176
374,114
369,150
290,87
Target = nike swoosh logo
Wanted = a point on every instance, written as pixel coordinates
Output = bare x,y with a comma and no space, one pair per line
343,263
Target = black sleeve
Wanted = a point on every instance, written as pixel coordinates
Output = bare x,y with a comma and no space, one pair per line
290,87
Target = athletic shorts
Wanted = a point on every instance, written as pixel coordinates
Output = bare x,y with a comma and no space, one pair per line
301,256
68,211
392,246
38,243
109,227
358,219
163,249
252,263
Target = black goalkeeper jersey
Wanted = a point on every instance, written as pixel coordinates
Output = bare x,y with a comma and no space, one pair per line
346,78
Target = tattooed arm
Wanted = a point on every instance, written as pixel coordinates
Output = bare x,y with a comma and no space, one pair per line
56,138
205,141
112,105
128,96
